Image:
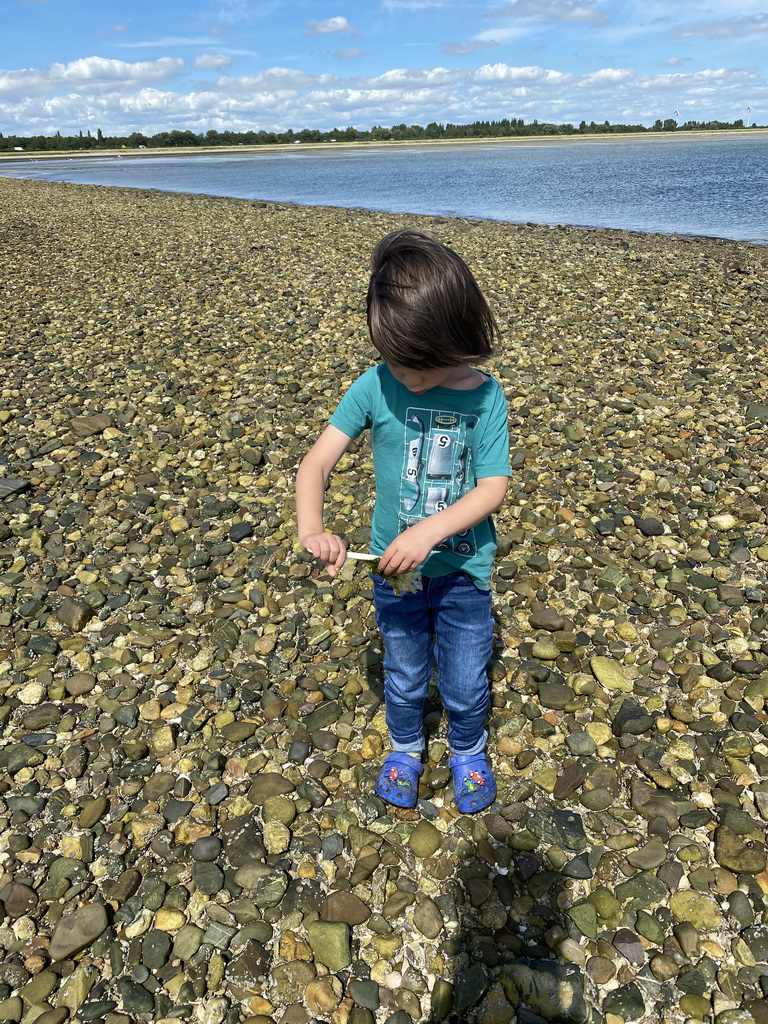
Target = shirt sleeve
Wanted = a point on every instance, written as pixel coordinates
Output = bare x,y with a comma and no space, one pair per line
353,413
492,453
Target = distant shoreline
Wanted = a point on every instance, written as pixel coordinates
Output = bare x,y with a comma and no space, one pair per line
527,140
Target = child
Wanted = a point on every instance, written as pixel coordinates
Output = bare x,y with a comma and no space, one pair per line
441,462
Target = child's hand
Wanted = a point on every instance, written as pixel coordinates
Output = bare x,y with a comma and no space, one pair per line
328,547
406,552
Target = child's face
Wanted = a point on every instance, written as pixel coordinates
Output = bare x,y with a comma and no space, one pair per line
419,381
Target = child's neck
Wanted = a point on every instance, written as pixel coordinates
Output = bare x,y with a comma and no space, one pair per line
465,378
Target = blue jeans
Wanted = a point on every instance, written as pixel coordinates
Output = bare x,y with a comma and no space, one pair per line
449,621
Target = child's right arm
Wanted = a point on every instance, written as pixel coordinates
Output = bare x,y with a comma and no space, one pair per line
311,480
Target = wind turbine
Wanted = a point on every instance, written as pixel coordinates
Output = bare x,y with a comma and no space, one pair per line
749,114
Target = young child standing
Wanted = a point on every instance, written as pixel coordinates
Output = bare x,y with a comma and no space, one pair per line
441,463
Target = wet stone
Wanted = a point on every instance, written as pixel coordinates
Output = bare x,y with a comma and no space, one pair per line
569,780
365,993
10,485
427,918
330,944
650,527
134,997
219,935
217,793
155,949
207,848
649,927
187,942
344,906
77,930
95,1010
688,938
425,840
738,821
644,887
547,618
740,857
208,878
241,838
267,785
545,649
174,809
20,900
552,990
266,885
559,827
86,426
580,744
648,857
555,695
74,614
756,937
247,972
626,1001
631,720
470,987
609,674
630,946
739,907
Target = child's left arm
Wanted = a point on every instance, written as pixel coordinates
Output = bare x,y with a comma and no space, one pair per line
412,547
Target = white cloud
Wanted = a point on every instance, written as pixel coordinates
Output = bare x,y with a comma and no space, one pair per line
461,49
321,28
87,73
80,95
727,28
502,35
212,62
235,12
349,54
607,76
406,77
271,78
527,75
579,11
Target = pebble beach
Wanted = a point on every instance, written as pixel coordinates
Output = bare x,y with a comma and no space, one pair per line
191,716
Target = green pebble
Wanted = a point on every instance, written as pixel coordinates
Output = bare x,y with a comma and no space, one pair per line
279,808
425,840
330,944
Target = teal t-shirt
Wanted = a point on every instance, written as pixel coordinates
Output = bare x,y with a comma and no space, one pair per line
428,451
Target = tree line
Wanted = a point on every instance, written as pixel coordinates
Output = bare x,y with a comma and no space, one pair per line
504,128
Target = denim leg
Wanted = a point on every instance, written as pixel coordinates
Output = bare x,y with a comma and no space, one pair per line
463,643
405,624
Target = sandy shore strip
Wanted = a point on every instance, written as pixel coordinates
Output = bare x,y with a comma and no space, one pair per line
522,140
191,711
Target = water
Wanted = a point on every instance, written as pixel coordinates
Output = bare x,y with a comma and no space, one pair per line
712,186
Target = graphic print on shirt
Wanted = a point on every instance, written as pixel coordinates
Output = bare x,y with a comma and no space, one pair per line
435,470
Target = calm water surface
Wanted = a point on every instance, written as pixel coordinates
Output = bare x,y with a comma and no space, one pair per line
715,186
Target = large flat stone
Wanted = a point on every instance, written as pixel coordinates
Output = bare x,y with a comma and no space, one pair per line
10,485
77,931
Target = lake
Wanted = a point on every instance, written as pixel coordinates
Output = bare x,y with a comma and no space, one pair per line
714,185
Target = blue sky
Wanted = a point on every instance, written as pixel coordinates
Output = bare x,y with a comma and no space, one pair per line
71,65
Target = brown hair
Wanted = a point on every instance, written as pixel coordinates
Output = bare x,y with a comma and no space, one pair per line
425,309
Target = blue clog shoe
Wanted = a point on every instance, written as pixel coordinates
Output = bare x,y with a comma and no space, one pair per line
398,781
474,786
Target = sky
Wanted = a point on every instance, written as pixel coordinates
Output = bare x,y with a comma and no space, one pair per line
156,65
